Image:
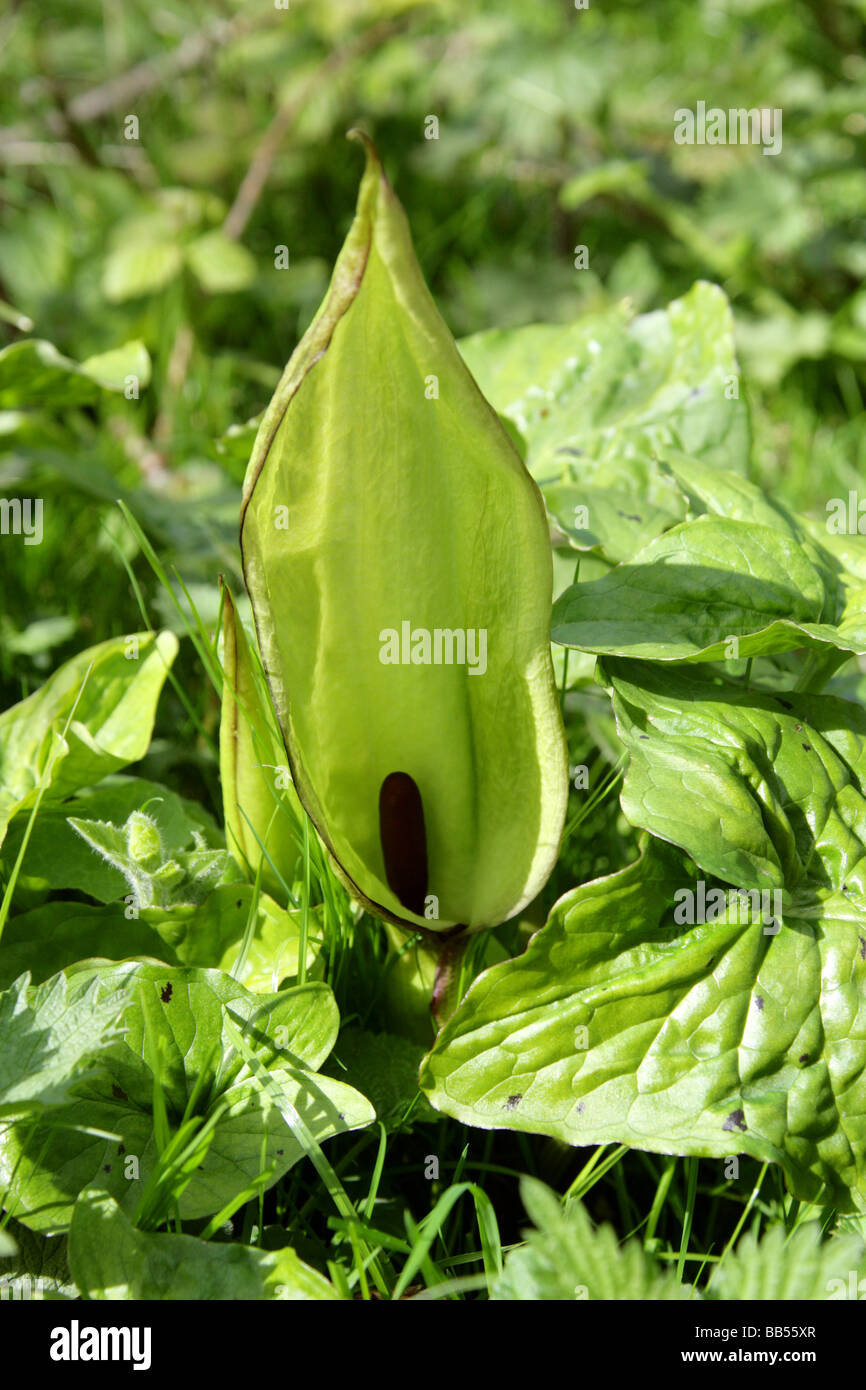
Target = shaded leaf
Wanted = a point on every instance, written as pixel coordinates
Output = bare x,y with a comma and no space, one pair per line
175,1023
113,1261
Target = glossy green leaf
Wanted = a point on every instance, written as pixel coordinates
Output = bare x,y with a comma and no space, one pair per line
113,1261
712,1039
57,934
613,520
175,1021
262,813
762,791
602,387
113,690
687,594
384,503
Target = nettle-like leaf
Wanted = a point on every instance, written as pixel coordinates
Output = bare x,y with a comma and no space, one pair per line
113,689
398,563
50,1040
113,1261
178,1031
567,1258
746,571
155,877
59,858
262,813
781,1268
742,1033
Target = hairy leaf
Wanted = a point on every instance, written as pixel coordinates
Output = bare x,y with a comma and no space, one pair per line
567,1258
782,1268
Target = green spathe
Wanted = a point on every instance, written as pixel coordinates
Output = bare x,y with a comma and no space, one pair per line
382,491
260,806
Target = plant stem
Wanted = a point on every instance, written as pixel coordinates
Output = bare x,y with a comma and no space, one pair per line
446,989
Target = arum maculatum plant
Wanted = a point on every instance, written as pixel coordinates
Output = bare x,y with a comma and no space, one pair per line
397,558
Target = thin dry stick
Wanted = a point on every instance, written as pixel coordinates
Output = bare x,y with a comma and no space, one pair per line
262,161
154,72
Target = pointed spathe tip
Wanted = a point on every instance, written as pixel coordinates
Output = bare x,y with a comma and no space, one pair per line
374,163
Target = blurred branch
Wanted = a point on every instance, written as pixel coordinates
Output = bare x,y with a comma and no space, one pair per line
154,72
254,180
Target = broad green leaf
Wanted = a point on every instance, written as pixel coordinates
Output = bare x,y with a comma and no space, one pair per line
113,689
50,1038
140,268
617,1024
57,934
175,1022
780,1268
34,373
112,1260
616,521
384,1068
220,265
53,937
587,395
36,1267
411,512
690,592
262,813
566,1258
709,488
762,791
212,934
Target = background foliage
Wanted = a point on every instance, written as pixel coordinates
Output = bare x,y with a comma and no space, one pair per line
155,256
